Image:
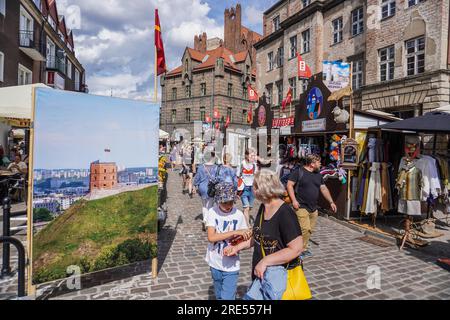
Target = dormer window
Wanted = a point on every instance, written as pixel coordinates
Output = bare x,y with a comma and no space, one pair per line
52,22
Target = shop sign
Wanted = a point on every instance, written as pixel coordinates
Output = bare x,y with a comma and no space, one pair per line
285,131
336,75
349,154
282,122
314,125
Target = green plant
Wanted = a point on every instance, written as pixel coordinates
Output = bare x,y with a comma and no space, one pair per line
42,214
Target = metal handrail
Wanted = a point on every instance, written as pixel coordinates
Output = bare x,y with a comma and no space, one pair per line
21,267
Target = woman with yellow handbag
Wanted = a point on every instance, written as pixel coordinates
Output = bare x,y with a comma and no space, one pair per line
277,242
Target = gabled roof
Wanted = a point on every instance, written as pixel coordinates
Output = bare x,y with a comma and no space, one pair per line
70,39
196,55
208,59
175,71
53,10
62,26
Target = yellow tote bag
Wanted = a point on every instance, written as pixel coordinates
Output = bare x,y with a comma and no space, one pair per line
297,287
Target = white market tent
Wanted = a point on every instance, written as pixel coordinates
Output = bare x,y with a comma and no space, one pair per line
16,102
163,135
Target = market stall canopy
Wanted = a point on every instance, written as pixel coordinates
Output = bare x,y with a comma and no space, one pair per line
15,102
163,135
436,122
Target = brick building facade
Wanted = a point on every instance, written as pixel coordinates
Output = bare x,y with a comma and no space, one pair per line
399,50
37,47
103,176
213,76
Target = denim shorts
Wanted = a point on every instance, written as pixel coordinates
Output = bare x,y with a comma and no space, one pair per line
248,198
271,287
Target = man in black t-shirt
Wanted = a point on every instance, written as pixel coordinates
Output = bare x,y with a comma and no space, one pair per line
308,183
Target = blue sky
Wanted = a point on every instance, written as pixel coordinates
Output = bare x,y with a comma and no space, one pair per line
114,39
72,130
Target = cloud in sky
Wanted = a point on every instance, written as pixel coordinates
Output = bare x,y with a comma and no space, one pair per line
115,39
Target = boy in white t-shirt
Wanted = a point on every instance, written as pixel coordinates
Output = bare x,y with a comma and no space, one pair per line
225,223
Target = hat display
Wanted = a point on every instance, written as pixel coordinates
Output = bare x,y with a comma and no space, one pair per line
225,192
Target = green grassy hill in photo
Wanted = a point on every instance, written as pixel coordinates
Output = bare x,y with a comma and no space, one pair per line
99,234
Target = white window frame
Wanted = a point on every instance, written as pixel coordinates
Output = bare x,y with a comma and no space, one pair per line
276,23
294,44
388,6
187,115
52,22
2,66
280,92
280,57
306,3
412,3
77,80
357,21
3,7
51,55
306,41
416,54
358,74
337,25
387,63
293,84
25,70
69,69
29,28
270,61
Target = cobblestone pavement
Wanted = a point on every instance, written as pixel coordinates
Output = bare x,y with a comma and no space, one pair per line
339,269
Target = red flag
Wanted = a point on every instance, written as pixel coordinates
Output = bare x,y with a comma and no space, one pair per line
227,124
252,94
250,114
287,100
304,71
160,57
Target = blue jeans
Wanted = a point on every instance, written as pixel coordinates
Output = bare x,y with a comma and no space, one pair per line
271,287
225,284
248,198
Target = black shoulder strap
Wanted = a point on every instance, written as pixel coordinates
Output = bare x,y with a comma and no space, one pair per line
218,170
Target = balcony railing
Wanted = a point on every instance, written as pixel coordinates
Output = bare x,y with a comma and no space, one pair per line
31,47
26,39
55,63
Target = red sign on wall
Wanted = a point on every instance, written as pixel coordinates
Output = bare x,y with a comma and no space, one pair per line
282,122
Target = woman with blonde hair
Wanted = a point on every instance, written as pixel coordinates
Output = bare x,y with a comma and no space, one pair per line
277,240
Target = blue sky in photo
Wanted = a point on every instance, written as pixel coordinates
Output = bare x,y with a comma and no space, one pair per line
114,40
72,130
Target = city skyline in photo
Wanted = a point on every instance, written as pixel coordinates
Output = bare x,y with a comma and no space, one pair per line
74,130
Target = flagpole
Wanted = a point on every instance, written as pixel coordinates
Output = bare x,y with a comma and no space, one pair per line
156,76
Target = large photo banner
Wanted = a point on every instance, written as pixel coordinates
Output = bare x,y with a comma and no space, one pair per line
94,189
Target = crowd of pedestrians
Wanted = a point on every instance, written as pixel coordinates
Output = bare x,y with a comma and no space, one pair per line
279,234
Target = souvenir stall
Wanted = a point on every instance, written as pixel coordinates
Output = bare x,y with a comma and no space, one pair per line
15,114
322,127
419,178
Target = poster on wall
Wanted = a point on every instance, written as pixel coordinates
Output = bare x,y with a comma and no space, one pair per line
336,75
94,183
